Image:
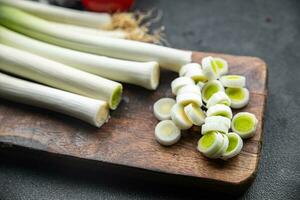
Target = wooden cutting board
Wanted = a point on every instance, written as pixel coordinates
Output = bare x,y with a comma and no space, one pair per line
128,138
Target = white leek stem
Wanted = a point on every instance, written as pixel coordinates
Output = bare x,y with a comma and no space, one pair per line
87,109
59,75
60,14
168,58
91,31
145,74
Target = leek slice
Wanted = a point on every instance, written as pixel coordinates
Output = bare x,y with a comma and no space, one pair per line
194,114
210,143
218,98
196,74
214,126
167,133
222,149
210,68
190,66
200,85
61,76
190,88
219,110
38,28
239,97
179,117
162,108
233,81
234,147
187,98
222,65
87,109
180,82
145,74
244,124
218,120
210,88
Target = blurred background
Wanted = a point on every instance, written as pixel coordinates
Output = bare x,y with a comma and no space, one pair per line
269,29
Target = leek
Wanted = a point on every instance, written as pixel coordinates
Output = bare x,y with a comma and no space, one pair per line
87,109
32,26
58,75
145,74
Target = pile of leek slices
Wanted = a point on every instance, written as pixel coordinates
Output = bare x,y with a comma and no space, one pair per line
205,96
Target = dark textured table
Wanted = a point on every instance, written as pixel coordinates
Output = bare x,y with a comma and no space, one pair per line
267,29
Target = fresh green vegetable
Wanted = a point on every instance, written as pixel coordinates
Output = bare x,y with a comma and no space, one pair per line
239,97
87,109
244,124
38,28
58,75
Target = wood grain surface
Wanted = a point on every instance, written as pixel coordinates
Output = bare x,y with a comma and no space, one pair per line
128,138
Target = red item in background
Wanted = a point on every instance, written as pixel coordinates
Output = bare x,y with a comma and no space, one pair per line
107,5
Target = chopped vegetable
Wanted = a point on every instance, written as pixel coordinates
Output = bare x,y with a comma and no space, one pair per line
180,82
210,88
244,124
162,108
190,88
210,143
87,109
187,98
167,133
222,65
233,81
179,117
219,120
145,74
210,68
239,97
219,110
214,126
194,114
234,147
200,85
58,75
196,74
190,66
222,149
38,28
218,98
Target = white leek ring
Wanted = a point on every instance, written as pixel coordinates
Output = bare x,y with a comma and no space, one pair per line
179,117
239,97
180,82
187,98
189,89
162,108
167,133
187,67
213,126
194,114
219,110
218,98
234,147
233,81
219,120
210,143
210,88
244,124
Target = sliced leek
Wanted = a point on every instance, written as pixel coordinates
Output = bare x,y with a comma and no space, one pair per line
210,68
190,66
244,124
194,114
214,126
58,75
218,98
187,98
222,65
210,143
219,120
234,147
87,109
179,117
210,88
190,88
162,108
200,85
219,110
38,28
222,149
233,81
196,74
239,97
145,74
167,133
179,83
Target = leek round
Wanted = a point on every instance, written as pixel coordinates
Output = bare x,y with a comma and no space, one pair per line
214,126
190,66
234,147
210,143
210,88
90,110
244,124
233,81
219,110
167,133
218,98
194,114
144,74
169,58
58,75
179,117
162,108
239,97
